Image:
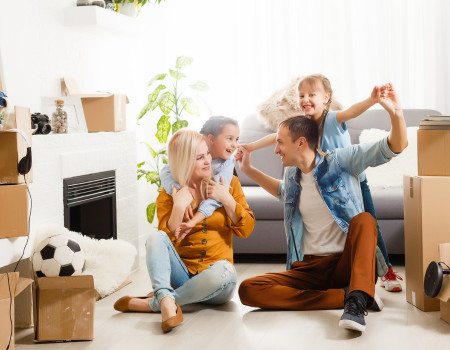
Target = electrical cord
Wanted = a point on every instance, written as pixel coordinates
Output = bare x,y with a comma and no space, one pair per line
15,268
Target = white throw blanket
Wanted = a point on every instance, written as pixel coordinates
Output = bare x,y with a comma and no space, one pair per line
109,261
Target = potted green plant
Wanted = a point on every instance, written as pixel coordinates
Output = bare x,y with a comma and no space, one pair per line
170,100
133,7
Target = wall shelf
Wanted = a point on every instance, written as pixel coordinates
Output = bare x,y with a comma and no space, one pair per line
97,17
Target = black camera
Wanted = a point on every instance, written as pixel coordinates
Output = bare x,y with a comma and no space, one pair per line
41,123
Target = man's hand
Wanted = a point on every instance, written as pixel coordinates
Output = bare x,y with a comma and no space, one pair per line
244,161
183,230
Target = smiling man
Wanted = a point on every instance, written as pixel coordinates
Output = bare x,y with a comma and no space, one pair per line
331,240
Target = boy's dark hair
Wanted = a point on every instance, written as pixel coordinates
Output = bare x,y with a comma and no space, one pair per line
213,126
302,126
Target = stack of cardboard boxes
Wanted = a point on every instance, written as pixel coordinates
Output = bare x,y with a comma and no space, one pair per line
427,214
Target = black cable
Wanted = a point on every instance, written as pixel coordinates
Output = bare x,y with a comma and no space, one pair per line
15,268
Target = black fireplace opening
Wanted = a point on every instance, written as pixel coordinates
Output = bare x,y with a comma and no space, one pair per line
90,204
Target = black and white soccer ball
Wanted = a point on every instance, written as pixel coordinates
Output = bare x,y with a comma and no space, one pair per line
58,256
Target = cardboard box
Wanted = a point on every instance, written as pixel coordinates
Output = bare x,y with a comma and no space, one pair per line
64,308
13,211
444,294
433,152
12,287
427,222
13,148
102,111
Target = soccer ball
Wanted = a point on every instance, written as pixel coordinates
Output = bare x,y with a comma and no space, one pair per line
58,256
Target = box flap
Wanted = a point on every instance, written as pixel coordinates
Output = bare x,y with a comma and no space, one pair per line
444,256
16,284
74,282
22,284
69,87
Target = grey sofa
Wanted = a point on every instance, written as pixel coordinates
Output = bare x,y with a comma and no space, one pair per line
268,236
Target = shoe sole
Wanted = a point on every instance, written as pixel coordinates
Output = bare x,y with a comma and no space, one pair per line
352,325
395,289
377,304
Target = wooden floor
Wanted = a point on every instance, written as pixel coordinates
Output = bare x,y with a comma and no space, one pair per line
235,326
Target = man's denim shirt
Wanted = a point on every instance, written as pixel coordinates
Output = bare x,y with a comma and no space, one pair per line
336,177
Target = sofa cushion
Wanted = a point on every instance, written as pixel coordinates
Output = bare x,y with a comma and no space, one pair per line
388,202
264,205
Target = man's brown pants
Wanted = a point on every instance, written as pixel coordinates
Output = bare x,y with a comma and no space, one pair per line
317,282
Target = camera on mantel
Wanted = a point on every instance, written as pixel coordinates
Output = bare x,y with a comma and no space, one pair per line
41,123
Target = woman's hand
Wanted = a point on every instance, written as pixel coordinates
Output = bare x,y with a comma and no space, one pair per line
219,192
182,198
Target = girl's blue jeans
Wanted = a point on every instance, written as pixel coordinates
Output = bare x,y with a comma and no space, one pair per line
369,208
171,278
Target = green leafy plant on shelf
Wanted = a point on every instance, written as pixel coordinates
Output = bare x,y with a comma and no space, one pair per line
169,101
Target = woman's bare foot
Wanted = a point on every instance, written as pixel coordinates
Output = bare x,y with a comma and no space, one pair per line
168,308
139,304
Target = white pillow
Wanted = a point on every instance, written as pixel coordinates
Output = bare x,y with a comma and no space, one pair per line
391,173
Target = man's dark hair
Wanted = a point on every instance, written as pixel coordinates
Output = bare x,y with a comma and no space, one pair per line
302,126
213,126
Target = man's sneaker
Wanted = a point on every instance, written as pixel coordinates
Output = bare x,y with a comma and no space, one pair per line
353,316
390,281
377,303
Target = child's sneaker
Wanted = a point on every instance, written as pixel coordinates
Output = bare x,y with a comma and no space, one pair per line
390,281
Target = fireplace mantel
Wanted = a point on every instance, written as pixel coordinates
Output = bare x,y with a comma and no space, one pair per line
59,156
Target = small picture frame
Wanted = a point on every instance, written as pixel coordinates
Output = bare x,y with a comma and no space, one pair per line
72,105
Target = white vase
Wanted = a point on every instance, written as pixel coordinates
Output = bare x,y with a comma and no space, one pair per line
128,9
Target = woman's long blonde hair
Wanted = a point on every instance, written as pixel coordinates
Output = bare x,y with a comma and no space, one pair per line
181,151
313,80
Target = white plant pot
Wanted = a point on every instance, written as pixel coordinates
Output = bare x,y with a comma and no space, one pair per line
129,10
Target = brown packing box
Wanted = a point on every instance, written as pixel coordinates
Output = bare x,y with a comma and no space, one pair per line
64,308
15,286
433,152
13,211
102,111
427,221
13,148
444,294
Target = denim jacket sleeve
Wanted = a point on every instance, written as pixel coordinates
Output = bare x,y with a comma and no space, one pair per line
357,158
167,181
225,170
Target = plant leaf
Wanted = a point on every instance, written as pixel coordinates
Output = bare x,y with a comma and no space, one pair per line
190,106
163,129
177,75
152,177
140,164
183,61
163,150
151,208
157,77
144,110
179,124
152,151
154,95
200,86
167,102
165,160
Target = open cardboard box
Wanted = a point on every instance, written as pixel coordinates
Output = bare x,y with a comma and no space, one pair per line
64,308
103,111
13,211
444,294
426,202
13,287
13,147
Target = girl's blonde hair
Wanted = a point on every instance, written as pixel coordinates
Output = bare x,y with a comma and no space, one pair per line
182,151
313,80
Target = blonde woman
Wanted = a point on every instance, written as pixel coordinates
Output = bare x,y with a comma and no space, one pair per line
198,267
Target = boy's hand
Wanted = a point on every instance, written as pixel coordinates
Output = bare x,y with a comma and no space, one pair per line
183,230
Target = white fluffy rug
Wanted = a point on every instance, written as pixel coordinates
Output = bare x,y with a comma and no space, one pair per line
109,261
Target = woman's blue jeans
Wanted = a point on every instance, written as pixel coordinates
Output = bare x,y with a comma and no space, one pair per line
171,278
369,208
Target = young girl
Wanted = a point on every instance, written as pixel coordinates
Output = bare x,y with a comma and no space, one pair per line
222,135
314,98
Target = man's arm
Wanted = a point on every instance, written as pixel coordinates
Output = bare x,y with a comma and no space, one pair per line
265,181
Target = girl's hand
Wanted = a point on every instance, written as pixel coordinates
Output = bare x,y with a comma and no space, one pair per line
375,95
219,192
182,197
389,99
